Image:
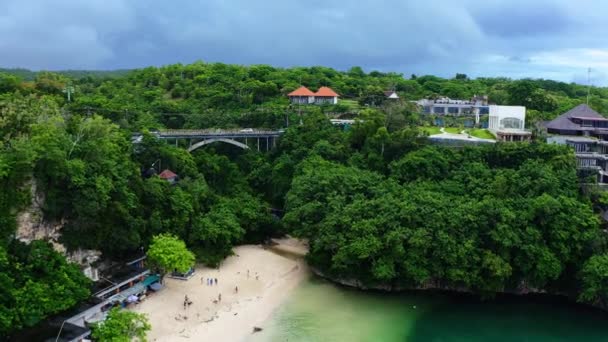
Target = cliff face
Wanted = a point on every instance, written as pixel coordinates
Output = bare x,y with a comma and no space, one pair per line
31,226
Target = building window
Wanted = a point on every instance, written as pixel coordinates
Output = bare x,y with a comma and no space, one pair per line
439,110
511,123
426,109
453,110
484,110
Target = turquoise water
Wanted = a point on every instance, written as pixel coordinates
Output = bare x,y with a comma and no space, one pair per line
320,311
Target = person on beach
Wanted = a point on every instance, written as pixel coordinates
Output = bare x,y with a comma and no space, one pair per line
215,281
236,289
247,273
219,298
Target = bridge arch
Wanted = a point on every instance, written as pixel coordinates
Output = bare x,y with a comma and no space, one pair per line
209,141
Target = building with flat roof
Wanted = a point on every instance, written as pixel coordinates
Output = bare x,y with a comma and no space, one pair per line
586,131
477,106
507,123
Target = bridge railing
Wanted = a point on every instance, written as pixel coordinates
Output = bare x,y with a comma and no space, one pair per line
198,132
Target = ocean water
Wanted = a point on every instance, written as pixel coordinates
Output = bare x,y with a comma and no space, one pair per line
321,311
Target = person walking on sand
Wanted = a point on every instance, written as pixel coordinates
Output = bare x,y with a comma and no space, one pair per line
215,281
236,289
219,298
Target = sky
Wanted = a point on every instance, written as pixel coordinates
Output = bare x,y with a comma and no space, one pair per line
554,39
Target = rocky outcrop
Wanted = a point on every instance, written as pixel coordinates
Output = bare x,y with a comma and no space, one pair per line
31,226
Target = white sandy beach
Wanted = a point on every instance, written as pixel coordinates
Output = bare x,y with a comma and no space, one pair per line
234,317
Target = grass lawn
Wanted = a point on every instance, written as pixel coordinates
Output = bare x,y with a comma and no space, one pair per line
455,130
481,133
430,129
352,104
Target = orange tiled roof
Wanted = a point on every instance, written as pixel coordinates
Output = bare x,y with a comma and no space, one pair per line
326,92
302,91
167,174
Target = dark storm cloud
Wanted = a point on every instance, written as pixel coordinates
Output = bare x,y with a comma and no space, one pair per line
492,37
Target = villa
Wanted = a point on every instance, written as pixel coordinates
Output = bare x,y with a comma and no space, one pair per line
303,95
505,122
477,106
586,131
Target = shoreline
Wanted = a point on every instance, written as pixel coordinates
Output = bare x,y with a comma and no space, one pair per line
355,284
272,277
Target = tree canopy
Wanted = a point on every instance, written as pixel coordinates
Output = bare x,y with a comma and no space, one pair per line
446,218
122,326
376,201
169,253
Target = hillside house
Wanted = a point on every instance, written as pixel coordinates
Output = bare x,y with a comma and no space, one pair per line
326,95
507,123
303,95
169,176
586,131
391,94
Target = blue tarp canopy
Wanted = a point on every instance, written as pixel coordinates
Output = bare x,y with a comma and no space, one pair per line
150,280
156,286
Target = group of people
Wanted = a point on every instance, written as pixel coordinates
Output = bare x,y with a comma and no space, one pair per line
210,281
213,281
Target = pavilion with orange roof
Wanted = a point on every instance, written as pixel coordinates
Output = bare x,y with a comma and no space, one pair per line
303,95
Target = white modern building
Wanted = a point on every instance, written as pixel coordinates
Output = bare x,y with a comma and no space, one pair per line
507,123
477,106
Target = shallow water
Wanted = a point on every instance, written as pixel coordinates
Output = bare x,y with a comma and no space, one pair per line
320,311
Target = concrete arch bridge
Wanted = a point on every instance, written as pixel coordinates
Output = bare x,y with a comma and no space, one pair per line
242,138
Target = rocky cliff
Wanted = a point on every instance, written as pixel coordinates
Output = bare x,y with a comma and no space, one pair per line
31,225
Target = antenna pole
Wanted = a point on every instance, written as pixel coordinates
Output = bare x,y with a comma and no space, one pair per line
588,84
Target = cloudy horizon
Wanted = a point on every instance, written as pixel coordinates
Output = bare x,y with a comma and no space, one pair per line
557,39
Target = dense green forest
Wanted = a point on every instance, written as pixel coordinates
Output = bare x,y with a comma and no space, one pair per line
376,201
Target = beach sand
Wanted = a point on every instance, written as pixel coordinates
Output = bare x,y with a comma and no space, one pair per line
233,318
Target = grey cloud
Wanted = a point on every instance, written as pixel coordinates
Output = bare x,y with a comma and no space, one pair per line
435,36
516,18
